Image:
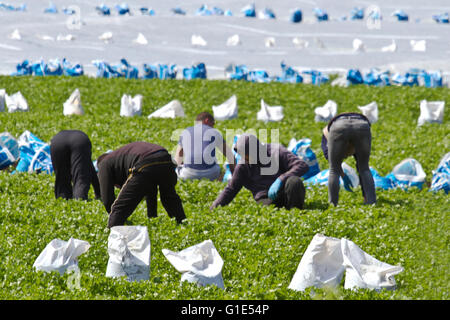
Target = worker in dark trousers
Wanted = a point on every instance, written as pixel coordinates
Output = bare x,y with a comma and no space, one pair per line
138,169
345,135
71,152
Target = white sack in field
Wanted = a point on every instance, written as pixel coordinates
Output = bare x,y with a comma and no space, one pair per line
227,110
171,110
269,113
131,106
370,111
73,105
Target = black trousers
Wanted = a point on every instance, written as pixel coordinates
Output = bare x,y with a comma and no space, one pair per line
71,152
144,181
291,195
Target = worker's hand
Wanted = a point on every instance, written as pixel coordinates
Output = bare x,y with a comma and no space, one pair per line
274,188
213,206
347,183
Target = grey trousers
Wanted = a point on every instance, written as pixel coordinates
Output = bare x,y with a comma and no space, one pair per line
344,131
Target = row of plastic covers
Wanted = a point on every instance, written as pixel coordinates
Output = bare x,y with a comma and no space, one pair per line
249,11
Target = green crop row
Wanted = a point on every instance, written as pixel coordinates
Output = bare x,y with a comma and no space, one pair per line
261,246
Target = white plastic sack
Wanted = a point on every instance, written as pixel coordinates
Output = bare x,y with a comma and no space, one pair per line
233,40
419,46
197,40
73,105
340,81
269,113
320,266
358,46
106,37
199,264
2,99
131,106
364,271
16,102
326,112
300,43
431,111
390,48
408,173
129,253
15,35
140,39
269,42
60,255
227,110
370,111
171,110
68,37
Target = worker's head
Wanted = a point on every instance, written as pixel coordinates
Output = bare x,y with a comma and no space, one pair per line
205,118
249,148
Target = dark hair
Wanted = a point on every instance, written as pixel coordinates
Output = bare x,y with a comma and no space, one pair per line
205,115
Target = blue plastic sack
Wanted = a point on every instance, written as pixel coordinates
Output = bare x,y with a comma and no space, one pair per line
302,149
72,70
268,14
103,10
10,7
249,11
23,69
147,11
289,75
317,77
441,176
408,173
400,15
126,70
430,80
195,72
150,71
320,14
296,16
381,182
376,78
357,14
122,9
51,8
167,71
34,155
355,76
321,179
104,70
9,150
240,72
53,68
441,18
258,76
178,10
228,13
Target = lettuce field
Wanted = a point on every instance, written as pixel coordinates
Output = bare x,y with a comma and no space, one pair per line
261,246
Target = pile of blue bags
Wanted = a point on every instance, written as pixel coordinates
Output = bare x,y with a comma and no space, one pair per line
121,70
9,7
51,68
441,176
195,72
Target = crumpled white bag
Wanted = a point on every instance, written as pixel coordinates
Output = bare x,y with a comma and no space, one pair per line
269,42
269,113
233,40
370,111
351,173
129,253
16,102
171,110
326,112
358,45
199,264
364,271
2,99
141,39
408,172
326,258
321,265
300,43
73,105
106,37
60,255
340,81
390,48
131,106
419,45
197,40
431,111
227,110
15,35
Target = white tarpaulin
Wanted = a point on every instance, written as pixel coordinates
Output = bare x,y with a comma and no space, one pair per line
326,112
370,111
73,105
131,106
431,111
199,264
129,253
269,113
16,102
60,255
171,110
326,259
227,110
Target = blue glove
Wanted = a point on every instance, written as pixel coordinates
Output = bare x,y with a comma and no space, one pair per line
274,188
347,183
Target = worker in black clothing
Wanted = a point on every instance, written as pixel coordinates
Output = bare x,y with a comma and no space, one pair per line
138,169
71,152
